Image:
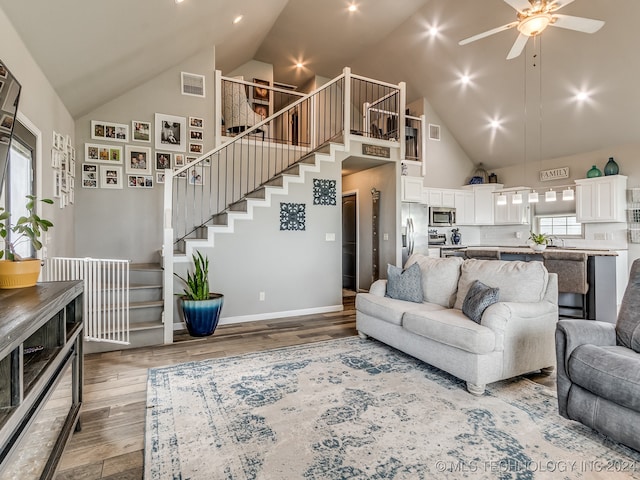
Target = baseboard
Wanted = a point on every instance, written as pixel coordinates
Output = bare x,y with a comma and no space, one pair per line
271,315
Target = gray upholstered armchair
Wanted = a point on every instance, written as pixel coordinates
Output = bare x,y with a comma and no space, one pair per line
599,369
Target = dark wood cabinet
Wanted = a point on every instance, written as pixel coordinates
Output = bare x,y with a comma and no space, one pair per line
40,343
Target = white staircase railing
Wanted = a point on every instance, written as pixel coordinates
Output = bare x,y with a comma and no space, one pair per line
106,294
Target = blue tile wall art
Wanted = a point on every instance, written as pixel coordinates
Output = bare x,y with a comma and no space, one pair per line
292,216
324,192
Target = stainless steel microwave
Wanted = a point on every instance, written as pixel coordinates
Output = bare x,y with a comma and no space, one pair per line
442,217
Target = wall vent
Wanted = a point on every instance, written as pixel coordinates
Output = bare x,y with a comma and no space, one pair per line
192,84
434,132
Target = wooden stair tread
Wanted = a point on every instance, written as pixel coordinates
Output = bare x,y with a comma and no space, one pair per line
145,267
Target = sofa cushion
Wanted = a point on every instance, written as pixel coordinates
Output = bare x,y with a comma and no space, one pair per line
609,372
404,284
628,324
388,309
439,278
518,281
478,298
451,327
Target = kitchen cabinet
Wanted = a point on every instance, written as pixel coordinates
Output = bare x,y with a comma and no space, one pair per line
411,189
440,197
483,198
601,199
465,207
433,252
511,214
40,340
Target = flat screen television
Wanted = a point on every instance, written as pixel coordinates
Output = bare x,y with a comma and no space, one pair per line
9,97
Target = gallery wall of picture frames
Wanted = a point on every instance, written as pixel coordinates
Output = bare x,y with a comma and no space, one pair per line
118,157
63,163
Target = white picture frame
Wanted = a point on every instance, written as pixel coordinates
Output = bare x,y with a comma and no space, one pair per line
140,131
163,161
138,160
140,181
110,176
114,132
196,148
94,152
90,175
196,122
195,175
170,132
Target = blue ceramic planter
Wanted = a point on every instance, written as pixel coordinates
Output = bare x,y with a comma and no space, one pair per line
201,316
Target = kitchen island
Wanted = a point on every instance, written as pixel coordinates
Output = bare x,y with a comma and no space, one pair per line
602,296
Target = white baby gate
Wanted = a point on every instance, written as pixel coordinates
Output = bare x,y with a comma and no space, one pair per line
106,294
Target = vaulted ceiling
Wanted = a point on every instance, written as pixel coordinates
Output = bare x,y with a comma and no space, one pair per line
95,51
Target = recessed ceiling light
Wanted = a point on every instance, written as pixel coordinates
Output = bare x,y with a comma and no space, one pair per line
299,65
495,124
582,96
434,30
238,19
465,79
352,8
179,1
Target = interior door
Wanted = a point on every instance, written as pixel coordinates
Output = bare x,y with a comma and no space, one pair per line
349,242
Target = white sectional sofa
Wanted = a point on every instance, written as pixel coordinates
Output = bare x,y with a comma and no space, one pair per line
516,335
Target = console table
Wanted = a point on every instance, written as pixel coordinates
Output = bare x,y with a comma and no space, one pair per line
40,342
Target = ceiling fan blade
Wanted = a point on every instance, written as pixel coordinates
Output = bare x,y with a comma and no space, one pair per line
558,4
581,24
519,5
518,46
488,33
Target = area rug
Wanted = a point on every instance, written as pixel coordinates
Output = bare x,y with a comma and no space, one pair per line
357,409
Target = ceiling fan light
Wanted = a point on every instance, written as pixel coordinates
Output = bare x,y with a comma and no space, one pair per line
534,24
533,197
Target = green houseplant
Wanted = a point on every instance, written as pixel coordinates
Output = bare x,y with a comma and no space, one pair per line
15,271
539,241
200,308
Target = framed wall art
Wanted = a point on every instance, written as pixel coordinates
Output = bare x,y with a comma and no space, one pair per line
94,152
89,175
170,133
163,161
178,160
140,181
138,160
195,135
260,93
118,132
141,131
195,148
196,122
110,176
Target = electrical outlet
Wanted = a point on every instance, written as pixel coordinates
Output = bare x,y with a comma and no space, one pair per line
518,234
330,237
262,296
385,236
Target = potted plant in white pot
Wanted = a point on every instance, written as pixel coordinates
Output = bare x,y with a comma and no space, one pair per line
15,271
539,241
200,308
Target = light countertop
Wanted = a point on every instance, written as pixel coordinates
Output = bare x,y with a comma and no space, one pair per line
529,251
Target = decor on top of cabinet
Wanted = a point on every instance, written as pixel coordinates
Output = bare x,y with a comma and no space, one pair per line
479,176
539,241
493,178
16,271
594,172
611,168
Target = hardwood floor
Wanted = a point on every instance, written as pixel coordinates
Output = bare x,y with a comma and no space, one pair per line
110,445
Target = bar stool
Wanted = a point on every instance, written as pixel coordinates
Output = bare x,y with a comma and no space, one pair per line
482,254
571,268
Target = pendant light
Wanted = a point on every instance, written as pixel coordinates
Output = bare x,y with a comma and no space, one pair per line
567,194
502,199
533,197
516,199
550,196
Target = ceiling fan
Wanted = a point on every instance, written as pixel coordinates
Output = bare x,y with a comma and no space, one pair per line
533,17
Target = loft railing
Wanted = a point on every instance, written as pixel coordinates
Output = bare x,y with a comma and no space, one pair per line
202,192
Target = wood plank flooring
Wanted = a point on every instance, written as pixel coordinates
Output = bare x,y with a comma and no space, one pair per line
110,445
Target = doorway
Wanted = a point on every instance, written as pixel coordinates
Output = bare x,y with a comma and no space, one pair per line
350,241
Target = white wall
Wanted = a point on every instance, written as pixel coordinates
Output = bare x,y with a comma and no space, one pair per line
40,104
127,223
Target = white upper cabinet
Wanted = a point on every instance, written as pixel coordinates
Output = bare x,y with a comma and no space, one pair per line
465,207
511,214
440,197
601,199
483,200
411,189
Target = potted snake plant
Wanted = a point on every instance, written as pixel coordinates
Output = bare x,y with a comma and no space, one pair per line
200,308
15,271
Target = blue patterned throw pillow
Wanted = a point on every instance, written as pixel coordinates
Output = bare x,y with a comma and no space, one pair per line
405,284
478,298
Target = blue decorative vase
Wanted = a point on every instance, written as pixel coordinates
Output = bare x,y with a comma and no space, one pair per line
611,168
456,237
201,316
594,172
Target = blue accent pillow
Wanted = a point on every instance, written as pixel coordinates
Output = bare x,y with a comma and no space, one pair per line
478,298
405,284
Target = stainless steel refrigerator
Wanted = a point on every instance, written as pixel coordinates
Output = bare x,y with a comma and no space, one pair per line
415,230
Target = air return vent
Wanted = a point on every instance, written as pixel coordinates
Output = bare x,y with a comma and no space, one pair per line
434,132
192,84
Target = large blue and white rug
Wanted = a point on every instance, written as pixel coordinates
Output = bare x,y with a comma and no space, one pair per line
356,409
